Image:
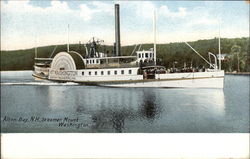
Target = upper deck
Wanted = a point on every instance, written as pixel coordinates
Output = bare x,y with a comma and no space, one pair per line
111,62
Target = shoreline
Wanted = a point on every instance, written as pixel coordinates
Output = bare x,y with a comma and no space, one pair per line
15,70
238,73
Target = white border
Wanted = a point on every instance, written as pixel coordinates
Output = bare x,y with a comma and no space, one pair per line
76,145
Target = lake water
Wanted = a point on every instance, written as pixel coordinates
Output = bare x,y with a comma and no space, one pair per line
29,105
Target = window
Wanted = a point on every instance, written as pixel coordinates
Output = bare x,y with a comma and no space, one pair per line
95,72
108,72
139,55
62,68
115,72
130,71
93,61
97,61
83,73
90,61
142,55
122,72
89,72
146,55
87,61
102,73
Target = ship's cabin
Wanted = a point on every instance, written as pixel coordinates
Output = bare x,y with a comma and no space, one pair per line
111,62
145,56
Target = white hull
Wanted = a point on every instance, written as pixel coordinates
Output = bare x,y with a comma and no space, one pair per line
169,80
187,83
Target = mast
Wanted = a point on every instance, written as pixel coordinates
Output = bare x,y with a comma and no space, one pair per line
219,49
154,30
68,40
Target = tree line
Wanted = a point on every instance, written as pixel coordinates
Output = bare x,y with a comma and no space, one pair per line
170,55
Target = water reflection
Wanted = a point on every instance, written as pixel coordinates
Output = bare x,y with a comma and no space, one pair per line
215,101
42,95
192,110
62,97
200,101
209,102
118,121
149,108
103,120
113,114
111,110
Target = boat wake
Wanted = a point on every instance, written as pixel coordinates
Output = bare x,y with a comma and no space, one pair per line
39,84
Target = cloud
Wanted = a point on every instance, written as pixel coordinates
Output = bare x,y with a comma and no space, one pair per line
24,7
196,17
21,22
202,21
15,7
87,12
103,7
145,9
201,16
142,9
164,11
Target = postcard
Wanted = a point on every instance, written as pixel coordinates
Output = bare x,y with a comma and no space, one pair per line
123,68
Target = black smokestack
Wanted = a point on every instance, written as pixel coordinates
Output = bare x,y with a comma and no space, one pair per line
114,50
117,30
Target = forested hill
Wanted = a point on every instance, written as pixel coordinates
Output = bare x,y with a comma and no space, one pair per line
178,53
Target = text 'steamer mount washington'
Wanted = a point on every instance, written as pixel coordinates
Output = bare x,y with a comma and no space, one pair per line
96,68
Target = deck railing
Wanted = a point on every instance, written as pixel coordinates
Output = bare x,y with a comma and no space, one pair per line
113,65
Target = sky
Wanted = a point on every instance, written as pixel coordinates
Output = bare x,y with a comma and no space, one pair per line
26,24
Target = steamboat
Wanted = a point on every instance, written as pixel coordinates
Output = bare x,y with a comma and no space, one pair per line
139,70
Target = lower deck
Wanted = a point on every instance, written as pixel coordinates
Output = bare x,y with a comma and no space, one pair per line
129,77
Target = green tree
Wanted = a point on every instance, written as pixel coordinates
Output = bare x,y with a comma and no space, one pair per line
235,51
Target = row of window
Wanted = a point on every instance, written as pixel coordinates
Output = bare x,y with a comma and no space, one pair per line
107,72
141,55
92,61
